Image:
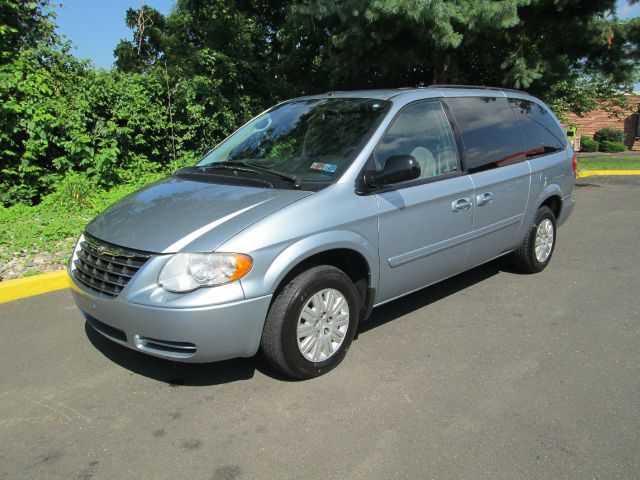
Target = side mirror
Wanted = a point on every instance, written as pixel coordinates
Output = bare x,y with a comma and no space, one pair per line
397,168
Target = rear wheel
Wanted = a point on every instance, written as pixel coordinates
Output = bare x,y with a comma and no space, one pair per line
311,323
535,252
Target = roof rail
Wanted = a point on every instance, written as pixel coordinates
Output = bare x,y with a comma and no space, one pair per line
478,87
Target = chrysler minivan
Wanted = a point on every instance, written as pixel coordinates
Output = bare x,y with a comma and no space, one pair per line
288,233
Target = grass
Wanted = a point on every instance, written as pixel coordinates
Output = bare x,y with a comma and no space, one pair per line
54,225
28,230
609,163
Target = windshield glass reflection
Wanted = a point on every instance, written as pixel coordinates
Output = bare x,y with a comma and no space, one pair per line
315,140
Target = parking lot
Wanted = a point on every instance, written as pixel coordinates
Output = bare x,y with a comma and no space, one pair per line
491,374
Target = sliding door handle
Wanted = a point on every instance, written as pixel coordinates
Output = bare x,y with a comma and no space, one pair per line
461,204
484,199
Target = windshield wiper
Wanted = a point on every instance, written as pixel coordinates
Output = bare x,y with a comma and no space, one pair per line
250,167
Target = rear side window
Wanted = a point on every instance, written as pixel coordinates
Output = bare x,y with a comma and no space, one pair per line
540,131
489,130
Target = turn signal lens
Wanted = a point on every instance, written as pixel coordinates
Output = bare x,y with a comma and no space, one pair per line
574,163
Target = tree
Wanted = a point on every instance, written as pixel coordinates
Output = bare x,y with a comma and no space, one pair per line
59,115
275,49
147,46
223,61
24,24
215,57
583,93
531,44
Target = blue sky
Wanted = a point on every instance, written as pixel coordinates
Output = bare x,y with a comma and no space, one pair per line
628,11
96,26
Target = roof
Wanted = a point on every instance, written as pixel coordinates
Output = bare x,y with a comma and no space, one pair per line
387,94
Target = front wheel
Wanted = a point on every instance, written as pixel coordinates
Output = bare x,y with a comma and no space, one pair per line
535,252
311,323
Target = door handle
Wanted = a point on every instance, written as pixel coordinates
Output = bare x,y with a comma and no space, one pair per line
484,199
461,204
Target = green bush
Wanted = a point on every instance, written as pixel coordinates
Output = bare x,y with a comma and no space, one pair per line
59,115
587,144
613,147
609,135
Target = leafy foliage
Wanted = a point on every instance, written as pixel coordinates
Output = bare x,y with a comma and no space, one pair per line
583,93
57,221
612,147
575,55
61,116
24,24
609,135
588,144
531,44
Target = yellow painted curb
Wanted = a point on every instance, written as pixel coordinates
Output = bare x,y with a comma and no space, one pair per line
591,173
35,285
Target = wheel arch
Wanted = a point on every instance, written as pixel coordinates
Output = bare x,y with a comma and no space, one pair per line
554,202
550,197
348,251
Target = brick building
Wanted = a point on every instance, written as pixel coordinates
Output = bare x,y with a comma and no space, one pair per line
621,119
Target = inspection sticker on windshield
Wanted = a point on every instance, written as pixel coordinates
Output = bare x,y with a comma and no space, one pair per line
325,167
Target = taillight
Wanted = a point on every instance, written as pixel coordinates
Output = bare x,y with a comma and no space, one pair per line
574,163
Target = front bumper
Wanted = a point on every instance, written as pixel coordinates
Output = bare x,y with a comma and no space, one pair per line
200,334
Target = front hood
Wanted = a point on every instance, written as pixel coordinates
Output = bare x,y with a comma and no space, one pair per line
176,215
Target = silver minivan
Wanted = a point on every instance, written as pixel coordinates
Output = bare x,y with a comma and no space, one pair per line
287,234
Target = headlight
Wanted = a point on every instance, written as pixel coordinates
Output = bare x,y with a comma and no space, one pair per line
185,272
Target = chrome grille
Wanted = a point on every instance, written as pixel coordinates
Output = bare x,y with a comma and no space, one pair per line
106,268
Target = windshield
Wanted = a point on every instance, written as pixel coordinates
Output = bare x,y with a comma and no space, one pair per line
313,140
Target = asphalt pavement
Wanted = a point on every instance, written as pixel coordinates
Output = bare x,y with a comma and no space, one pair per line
491,374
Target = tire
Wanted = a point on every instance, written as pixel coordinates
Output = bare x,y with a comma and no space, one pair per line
301,309
526,259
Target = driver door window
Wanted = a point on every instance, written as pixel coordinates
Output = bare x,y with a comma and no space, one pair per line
421,130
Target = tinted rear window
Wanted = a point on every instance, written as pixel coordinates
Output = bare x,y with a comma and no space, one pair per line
539,129
489,130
